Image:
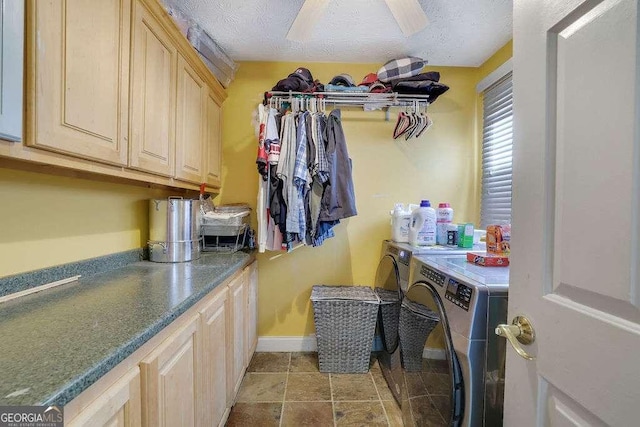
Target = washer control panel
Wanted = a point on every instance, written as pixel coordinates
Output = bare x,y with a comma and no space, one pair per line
404,256
432,275
459,294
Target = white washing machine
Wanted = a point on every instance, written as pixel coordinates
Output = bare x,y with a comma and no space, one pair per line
459,304
392,277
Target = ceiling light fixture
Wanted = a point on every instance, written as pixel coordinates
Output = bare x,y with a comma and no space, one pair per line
407,13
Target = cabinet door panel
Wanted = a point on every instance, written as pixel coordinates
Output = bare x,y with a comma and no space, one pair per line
237,290
119,406
213,325
81,78
11,42
252,311
152,143
169,378
189,123
213,142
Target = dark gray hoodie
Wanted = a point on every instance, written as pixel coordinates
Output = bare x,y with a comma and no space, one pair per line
338,200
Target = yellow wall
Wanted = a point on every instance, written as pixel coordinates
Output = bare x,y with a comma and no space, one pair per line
48,220
496,60
441,166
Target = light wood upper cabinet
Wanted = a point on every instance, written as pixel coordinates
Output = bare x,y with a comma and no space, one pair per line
80,99
169,380
213,386
153,95
119,406
190,115
112,87
213,141
11,69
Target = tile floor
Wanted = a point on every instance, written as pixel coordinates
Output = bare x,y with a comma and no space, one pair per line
286,389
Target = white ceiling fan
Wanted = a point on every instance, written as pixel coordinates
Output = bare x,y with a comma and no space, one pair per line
408,13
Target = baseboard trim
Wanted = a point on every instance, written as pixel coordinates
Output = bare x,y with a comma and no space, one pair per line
309,343
434,353
279,344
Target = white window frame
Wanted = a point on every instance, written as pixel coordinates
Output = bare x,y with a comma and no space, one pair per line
504,214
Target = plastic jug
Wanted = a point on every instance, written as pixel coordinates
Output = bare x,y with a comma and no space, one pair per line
400,220
422,230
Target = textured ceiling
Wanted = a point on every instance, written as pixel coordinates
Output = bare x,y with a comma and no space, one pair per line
459,33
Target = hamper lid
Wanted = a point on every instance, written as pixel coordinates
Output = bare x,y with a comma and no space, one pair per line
419,309
352,293
387,296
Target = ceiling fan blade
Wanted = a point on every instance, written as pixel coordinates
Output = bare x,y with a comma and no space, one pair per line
409,15
309,14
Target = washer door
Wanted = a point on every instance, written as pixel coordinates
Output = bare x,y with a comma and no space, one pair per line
432,389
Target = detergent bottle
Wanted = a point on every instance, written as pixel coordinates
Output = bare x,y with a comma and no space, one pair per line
422,230
400,220
444,215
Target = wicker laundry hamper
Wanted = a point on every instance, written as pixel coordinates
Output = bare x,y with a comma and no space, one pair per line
389,316
416,324
345,320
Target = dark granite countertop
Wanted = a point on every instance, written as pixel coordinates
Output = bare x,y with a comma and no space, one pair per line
56,343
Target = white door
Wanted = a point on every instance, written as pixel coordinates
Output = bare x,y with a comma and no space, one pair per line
576,214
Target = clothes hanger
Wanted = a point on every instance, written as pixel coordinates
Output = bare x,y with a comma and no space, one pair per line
413,122
428,124
401,125
421,122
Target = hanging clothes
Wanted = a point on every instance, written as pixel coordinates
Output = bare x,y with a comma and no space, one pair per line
320,175
301,177
339,199
307,186
268,146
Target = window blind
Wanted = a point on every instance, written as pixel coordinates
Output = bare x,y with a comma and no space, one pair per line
497,144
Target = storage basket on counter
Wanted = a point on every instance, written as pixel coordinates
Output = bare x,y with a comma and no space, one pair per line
389,316
416,324
345,320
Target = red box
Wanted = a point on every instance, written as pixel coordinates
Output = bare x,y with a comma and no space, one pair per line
487,260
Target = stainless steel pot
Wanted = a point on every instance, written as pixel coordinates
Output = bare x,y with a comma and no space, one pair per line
174,251
174,230
174,219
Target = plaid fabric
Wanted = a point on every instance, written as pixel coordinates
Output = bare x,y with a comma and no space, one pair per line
321,168
301,177
401,68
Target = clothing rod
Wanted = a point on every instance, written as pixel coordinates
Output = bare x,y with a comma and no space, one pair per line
372,101
368,95
383,100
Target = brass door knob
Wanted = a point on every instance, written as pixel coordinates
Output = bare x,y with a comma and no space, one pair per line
519,331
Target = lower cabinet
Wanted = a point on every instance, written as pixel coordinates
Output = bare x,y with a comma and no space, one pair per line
192,370
169,378
214,338
236,351
118,406
251,322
